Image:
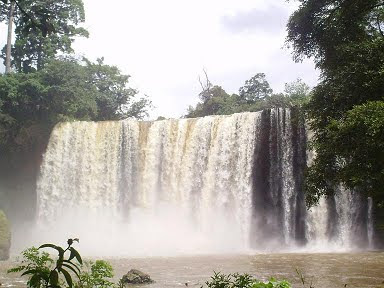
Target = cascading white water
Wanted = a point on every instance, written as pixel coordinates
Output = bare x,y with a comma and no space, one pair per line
196,172
182,186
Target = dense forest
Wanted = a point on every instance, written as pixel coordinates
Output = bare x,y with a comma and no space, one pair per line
45,83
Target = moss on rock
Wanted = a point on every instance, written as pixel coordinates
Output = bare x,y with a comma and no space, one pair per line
5,236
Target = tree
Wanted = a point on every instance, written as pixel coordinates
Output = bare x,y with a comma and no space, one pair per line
213,101
205,93
114,99
255,89
297,92
43,29
346,40
63,90
219,102
256,96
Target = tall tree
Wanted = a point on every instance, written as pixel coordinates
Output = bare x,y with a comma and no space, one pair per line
256,88
114,99
43,30
345,38
297,92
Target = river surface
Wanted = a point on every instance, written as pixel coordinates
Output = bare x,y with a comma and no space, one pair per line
320,270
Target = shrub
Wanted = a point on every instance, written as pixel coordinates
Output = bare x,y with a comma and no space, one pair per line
45,272
219,280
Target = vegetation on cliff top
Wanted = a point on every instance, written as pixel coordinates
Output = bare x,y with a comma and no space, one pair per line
255,95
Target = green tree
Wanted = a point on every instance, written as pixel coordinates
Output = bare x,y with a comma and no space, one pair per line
114,99
255,89
43,30
346,40
63,90
219,102
256,96
297,92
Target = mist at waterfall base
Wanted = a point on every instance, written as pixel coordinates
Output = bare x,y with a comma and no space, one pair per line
212,185
165,232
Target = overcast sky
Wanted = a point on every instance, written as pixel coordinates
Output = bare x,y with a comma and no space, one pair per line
165,45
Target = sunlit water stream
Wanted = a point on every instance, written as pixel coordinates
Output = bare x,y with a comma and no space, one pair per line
322,270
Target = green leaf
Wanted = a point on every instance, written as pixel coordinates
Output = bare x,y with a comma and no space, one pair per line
67,262
67,276
32,271
34,281
58,248
76,254
72,269
54,278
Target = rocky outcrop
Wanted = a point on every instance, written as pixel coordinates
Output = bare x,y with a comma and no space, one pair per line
5,237
135,276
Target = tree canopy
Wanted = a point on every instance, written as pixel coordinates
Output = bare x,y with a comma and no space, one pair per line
256,88
255,95
345,38
64,90
43,30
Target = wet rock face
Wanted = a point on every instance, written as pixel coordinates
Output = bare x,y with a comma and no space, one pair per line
5,237
135,276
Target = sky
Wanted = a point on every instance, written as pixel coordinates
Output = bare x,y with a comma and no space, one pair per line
166,45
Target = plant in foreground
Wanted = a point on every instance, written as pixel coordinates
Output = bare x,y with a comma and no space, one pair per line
96,275
219,280
44,271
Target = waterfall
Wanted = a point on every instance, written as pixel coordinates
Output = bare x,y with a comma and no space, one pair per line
206,185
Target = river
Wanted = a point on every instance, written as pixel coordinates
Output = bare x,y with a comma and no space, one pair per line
326,270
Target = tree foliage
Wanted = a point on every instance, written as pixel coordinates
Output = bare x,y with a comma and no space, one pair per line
43,30
256,88
63,90
217,102
346,40
255,95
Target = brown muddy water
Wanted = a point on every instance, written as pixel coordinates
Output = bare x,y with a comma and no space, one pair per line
320,270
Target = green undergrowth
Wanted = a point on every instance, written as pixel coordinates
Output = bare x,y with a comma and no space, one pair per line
236,280
66,270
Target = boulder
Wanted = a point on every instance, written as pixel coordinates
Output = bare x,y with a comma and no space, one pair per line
5,237
135,276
